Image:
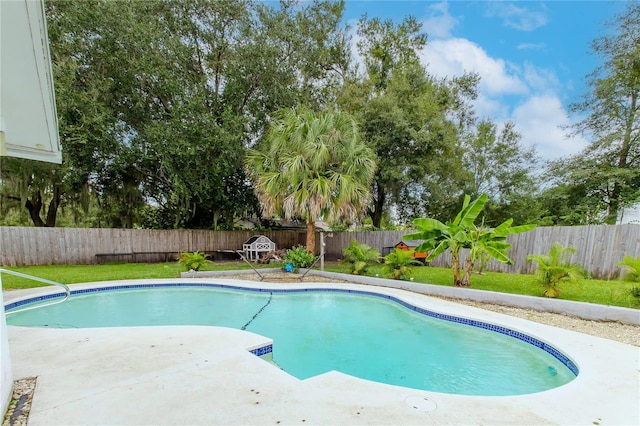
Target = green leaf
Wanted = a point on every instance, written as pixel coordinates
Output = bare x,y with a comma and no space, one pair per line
498,245
465,203
441,248
503,228
461,237
522,228
428,224
499,255
470,214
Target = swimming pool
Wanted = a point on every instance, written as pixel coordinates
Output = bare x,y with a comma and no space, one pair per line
361,333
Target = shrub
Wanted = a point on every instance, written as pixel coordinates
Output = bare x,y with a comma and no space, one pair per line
399,264
298,257
555,267
360,256
631,267
339,226
192,261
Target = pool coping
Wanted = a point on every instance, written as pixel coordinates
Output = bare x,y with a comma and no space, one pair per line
580,401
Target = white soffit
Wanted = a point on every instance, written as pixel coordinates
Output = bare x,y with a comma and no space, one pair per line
28,120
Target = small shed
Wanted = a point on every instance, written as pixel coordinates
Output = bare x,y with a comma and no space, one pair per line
256,245
412,245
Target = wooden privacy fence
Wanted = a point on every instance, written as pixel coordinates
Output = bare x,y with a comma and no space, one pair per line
54,246
599,247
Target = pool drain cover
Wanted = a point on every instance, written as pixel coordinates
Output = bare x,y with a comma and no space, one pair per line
421,403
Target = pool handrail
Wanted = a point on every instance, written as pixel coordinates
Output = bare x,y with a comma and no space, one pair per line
42,280
311,267
239,252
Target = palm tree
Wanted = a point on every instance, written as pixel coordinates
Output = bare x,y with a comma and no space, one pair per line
399,264
314,166
555,267
360,256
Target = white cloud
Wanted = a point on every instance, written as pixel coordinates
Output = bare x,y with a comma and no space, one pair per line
440,23
540,80
540,120
491,108
455,56
539,115
520,18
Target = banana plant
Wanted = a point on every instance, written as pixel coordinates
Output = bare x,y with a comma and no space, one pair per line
463,233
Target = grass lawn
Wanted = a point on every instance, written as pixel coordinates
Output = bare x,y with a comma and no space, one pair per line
614,293
602,292
71,274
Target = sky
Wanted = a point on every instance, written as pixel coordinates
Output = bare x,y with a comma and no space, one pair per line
532,57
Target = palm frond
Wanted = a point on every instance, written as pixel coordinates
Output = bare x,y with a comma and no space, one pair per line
631,267
555,267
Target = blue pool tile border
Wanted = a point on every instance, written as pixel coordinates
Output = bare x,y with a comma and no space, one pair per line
263,350
269,348
14,305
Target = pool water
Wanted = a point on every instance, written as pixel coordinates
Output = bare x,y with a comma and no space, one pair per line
315,332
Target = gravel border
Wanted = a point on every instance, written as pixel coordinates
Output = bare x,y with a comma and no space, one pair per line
18,411
612,330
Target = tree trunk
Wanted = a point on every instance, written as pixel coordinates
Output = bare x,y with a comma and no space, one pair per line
623,157
311,237
468,266
34,205
455,260
52,213
614,206
378,206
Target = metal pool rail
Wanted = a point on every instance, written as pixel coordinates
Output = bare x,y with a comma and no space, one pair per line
42,280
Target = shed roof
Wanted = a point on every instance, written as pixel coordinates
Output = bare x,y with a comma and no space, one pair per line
411,243
252,239
255,238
